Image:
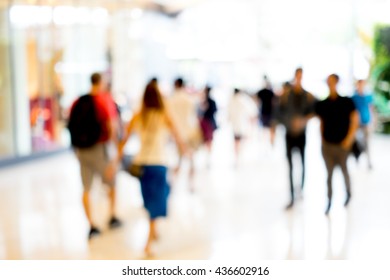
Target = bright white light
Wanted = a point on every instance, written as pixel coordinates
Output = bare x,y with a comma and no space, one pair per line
135,31
83,15
204,38
68,15
23,16
99,16
63,15
83,68
136,13
361,65
44,15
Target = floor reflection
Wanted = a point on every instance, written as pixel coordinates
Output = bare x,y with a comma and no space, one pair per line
228,213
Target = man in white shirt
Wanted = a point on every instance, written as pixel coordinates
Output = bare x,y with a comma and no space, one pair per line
183,109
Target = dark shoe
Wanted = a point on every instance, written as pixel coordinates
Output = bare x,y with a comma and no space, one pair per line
328,208
114,223
347,200
290,205
93,232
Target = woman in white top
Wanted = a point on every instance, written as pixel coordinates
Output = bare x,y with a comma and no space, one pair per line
153,125
242,110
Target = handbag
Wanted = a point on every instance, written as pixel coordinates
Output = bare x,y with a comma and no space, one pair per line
130,167
136,170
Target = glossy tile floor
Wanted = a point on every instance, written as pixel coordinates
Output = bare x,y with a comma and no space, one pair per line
233,212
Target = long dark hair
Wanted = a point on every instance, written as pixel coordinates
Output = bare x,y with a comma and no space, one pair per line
152,99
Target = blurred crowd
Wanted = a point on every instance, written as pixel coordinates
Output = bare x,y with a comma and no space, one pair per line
99,135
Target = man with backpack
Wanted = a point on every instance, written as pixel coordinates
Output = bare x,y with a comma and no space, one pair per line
93,133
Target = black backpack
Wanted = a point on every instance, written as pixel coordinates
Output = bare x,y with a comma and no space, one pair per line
84,126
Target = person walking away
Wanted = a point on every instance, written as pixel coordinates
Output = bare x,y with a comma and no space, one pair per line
208,123
295,109
184,113
275,119
339,122
92,135
363,103
152,124
241,112
266,98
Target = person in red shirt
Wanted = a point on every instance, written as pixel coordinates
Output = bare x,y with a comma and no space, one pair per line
95,160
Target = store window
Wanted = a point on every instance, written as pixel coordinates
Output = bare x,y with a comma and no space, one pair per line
55,49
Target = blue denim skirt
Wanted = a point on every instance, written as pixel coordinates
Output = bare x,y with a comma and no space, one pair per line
155,190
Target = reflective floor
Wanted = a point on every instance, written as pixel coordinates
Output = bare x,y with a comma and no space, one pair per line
233,212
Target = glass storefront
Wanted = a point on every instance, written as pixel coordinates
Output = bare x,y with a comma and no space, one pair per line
54,51
48,50
47,53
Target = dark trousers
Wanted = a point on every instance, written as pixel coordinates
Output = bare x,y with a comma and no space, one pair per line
295,142
334,155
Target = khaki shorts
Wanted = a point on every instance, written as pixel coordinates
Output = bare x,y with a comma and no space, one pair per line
94,161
